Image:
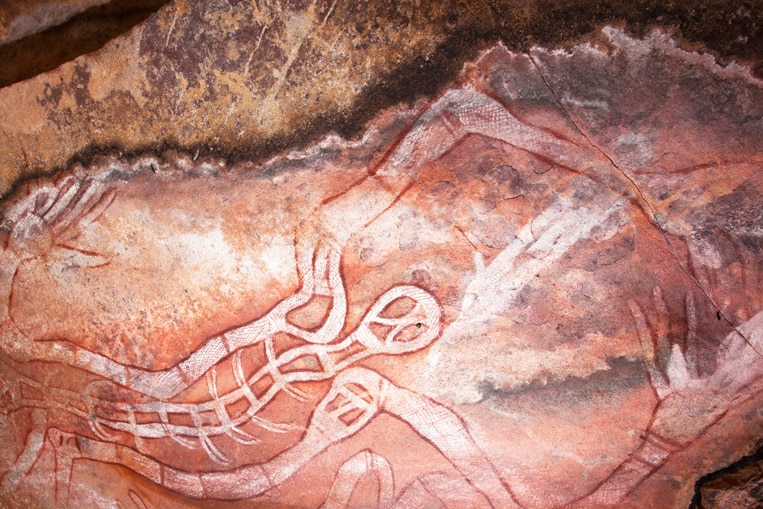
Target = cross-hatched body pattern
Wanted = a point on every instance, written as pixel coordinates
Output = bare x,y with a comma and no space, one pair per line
460,113
423,319
357,394
403,319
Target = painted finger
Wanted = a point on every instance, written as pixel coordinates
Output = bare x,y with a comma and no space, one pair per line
89,194
656,378
98,207
67,189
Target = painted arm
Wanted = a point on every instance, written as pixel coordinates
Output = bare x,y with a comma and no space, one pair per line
42,223
49,216
681,392
457,114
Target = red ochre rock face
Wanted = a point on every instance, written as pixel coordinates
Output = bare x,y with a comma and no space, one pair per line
539,289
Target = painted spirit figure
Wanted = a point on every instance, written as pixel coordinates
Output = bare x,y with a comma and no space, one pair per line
193,405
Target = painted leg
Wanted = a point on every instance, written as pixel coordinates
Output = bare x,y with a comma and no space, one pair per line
351,402
363,463
445,430
35,439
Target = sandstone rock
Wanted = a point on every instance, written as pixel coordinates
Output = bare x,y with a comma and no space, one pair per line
538,288
739,486
37,36
19,18
245,77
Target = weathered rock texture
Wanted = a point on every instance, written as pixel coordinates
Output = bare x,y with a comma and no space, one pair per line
739,485
39,35
20,18
538,288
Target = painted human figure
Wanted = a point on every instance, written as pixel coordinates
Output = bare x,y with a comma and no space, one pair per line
39,223
44,219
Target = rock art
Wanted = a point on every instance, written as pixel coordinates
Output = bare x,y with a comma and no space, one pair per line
539,288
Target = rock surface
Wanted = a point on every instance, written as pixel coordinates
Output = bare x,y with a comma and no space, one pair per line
20,18
247,80
37,36
538,288
739,485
